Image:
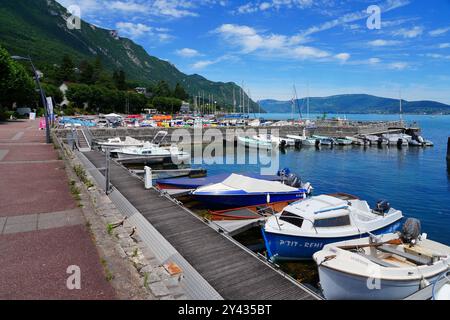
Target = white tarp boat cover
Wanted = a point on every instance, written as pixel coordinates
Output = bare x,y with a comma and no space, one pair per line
250,185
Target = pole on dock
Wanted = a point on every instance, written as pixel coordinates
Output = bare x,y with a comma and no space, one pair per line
107,173
148,178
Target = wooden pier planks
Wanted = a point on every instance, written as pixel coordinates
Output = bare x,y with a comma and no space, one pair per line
233,272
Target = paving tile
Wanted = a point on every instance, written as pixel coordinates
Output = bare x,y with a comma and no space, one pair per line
31,218
2,223
19,228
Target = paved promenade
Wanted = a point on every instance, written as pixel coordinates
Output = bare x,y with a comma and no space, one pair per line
42,230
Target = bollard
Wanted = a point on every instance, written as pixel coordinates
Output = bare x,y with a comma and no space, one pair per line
148,178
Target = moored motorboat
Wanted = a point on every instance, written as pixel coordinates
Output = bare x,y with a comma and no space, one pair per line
387,267
238,191
305,227
117,142
254,143
343,142
324,141
150,154
194,183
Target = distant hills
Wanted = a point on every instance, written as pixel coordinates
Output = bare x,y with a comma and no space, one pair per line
38,28
356,103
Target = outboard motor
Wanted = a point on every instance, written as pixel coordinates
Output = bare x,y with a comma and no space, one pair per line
411,231
283,144
293,180
399,143
284,173
382,207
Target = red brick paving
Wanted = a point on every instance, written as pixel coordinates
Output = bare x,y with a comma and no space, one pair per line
33,264
34,188
29,152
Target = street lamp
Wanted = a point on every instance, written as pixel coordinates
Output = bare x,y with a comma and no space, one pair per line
42,93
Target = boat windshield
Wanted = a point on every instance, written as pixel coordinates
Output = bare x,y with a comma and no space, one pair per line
341,221
292,218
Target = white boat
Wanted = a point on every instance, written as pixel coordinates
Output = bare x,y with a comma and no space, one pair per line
117,142
397,139
254,143
343,142
149,154
388,267
324,141
310,142
305,227
374,140
276,141
357,141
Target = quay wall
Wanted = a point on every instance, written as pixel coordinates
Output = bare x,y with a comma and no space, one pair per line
326,129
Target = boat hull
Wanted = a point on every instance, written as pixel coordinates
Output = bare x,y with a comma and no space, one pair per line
246,200
337,285
290,248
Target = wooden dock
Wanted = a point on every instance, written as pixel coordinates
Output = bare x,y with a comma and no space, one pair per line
230,269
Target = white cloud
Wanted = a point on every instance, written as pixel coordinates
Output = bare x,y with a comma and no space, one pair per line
187,53
128,6
249,40
373,61
439,32
206,63
398,65
354,16
383,43
444,45
137,30
343,56
437,56
409,33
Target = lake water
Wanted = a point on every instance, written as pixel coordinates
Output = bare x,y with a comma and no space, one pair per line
414,180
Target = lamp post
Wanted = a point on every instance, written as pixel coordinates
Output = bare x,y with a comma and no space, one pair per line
42,94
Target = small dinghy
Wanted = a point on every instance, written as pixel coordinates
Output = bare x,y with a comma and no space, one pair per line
248,213
305,227
388,267
343,141
242,191
150,154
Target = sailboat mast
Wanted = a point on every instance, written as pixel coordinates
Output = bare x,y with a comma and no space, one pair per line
401,108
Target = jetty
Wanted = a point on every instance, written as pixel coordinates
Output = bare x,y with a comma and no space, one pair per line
214,265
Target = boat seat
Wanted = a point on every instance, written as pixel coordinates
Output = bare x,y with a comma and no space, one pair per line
377,261
417,259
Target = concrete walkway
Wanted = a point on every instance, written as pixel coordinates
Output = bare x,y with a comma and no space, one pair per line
42,230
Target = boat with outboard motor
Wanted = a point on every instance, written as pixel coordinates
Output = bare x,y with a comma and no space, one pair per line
388,267
117,142
150,154
305,227
238,191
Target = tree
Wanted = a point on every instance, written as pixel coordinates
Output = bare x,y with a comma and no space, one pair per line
162,89
180,93
86,72
79,94
16,85
119,79
54,92
167,104
67,69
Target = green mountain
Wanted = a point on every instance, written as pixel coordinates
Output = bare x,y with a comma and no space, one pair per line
38,28
355,103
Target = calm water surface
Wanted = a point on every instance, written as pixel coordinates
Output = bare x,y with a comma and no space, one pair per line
414,180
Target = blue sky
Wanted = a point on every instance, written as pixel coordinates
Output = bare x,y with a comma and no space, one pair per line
270,45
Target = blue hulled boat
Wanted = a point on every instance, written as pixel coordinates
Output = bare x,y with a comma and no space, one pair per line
305,227
194,183
241,191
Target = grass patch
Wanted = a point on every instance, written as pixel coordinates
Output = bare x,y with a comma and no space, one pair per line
135,253
110,229
146,279
108,274
74,190
81,173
